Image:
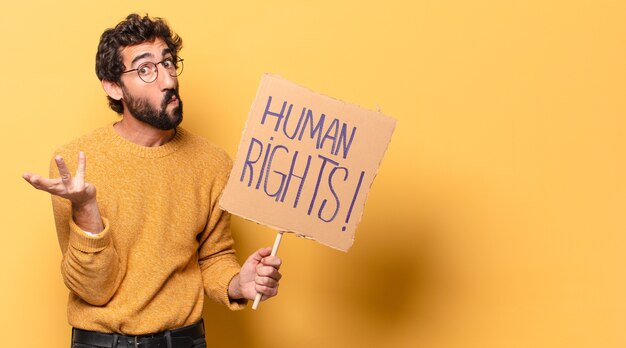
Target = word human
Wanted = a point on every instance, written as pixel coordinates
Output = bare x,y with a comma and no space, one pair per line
333,135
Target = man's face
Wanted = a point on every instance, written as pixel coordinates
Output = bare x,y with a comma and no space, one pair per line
156,103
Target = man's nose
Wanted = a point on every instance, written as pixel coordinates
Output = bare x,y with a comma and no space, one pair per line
166,81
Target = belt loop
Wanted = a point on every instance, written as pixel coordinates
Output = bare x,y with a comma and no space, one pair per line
136,345
115,337
168,338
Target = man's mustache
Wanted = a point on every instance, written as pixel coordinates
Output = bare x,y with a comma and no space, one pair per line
168,95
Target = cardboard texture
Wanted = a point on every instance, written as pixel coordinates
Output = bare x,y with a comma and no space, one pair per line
306,162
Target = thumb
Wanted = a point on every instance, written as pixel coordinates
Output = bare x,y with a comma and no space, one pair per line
258,255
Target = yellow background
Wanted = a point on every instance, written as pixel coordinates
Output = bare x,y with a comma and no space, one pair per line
496,220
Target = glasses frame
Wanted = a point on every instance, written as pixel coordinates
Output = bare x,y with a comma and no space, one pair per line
156,65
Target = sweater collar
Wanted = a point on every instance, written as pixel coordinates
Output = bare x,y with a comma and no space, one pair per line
146,151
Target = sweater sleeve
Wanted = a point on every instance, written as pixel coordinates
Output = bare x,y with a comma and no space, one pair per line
216,253
217,259
90,265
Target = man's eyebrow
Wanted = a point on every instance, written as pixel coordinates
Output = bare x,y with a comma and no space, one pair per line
165,51
141,56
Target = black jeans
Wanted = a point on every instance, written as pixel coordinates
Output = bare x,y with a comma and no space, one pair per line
191,336
199,343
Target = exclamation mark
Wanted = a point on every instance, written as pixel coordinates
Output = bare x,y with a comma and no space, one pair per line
356,193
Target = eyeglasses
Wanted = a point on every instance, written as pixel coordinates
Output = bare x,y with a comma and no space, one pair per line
148,71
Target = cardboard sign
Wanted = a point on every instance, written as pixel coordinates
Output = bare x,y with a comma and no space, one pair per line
306,162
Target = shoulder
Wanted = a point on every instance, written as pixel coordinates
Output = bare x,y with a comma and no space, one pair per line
87,142
90,143
205,153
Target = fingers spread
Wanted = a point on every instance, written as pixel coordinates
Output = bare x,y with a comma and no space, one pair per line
32,179
48,185
37,181
82,164
66,177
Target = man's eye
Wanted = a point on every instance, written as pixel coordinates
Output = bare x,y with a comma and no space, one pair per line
144,70
168,63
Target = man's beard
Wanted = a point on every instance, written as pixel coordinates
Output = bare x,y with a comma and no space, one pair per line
141,109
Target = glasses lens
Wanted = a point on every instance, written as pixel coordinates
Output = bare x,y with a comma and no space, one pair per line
147,72
179,68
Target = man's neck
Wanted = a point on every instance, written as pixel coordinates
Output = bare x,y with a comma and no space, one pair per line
141,133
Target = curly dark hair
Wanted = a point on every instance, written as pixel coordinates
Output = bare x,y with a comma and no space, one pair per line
132,31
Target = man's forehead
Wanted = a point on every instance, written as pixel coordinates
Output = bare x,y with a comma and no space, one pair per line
153,48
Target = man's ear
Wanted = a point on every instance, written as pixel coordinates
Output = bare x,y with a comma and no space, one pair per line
112,89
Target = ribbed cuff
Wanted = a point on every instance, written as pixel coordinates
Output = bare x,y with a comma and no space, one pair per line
79,240
233,305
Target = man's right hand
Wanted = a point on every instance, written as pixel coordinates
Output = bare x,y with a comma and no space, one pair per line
82,194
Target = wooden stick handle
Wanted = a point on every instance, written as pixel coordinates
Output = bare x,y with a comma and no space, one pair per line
279,236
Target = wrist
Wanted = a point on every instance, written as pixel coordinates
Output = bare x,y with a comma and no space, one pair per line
87,216
84,205
234,289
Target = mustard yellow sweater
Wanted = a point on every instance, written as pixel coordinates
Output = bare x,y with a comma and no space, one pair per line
165,244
